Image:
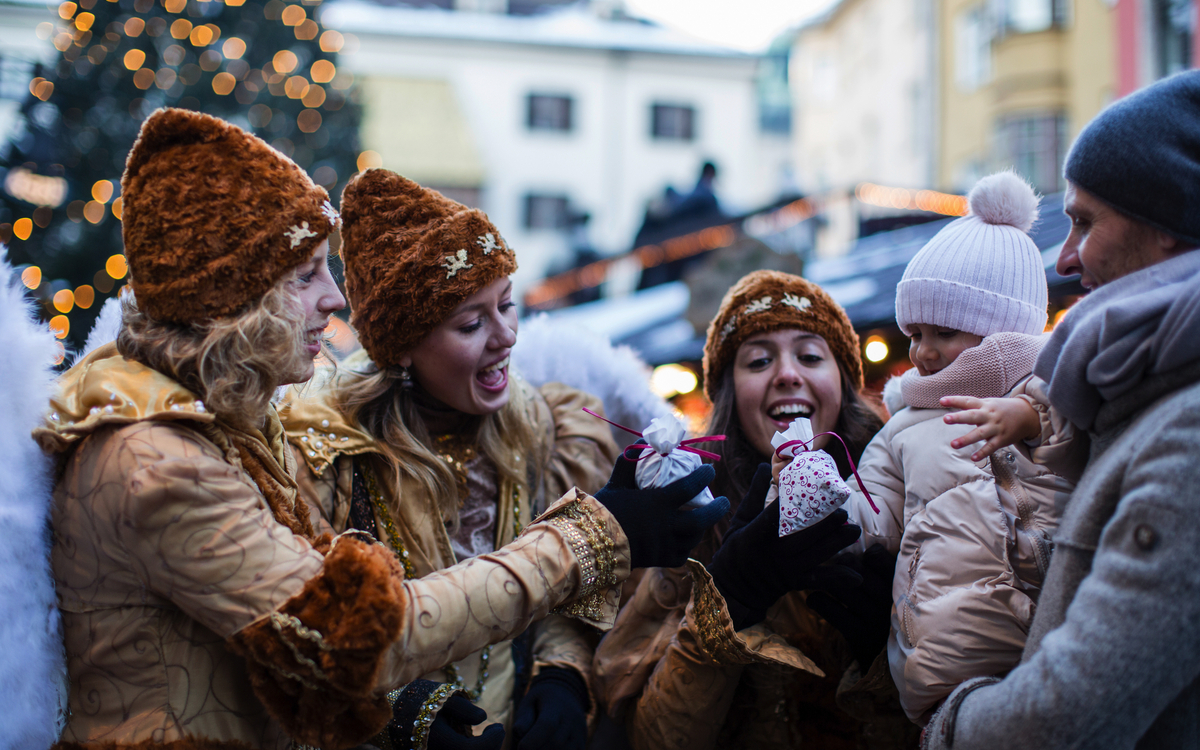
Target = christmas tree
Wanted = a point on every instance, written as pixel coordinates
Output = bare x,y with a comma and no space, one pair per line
270,68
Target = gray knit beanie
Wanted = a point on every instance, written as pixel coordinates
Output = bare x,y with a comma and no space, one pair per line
1141,156
982,273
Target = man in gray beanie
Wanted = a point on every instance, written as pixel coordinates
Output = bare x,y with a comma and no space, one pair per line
1113,655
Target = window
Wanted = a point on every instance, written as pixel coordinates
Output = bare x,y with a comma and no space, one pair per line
1034,146
972,48
1172,31
549,112
545,211
1029,16
15,75
673,121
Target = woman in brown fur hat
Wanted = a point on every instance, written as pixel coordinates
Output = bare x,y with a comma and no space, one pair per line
427,441
201,609
727,654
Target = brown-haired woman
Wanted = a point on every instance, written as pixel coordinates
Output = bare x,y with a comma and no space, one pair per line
424,439
727,654
200,609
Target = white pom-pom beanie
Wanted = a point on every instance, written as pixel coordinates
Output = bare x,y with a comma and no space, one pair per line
982,273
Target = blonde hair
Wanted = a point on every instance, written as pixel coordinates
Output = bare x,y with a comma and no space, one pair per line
233,363
384,409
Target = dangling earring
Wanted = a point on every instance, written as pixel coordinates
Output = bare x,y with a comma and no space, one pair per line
406,381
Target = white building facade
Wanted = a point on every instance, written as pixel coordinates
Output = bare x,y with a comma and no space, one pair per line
534,118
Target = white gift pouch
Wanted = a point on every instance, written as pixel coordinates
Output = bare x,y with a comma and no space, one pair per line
668,461
810,487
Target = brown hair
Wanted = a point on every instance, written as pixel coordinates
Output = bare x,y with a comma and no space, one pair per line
382,407
233,363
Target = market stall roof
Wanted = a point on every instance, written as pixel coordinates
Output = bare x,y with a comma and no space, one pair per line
863,281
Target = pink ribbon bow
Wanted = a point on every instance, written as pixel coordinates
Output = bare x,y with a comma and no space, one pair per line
683,444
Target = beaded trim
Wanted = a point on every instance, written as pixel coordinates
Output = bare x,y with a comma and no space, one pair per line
713,627
389,525
456,680
428,713
593,548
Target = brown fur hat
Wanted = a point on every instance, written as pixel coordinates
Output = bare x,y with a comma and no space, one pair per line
411,256
765,301
213,217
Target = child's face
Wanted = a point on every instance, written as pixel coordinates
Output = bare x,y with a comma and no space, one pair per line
933,349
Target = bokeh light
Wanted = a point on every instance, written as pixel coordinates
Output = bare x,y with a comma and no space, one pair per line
102,190
60,326
369,160
223,83
876,349
233,48
331,41
85,295
672,380
116,267
322,71
309,121
64,300
93,211
31,277
284,61
22,228
134,59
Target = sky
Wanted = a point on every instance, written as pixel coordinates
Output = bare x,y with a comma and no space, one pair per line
744,24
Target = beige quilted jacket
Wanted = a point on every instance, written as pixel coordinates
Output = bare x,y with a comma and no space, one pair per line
194,619
974,538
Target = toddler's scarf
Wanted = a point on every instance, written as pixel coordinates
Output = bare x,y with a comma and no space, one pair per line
1142,324
988,370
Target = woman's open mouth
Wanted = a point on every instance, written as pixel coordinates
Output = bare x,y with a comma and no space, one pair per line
494,378
783,414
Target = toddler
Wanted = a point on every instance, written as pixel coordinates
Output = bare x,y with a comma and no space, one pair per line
973,531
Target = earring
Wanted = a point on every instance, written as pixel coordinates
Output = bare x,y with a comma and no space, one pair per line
406,381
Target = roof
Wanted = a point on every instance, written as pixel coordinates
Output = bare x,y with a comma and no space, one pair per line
572,27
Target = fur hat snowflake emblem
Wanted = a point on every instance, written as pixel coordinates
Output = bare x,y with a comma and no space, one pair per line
488,243
331,213
457,262
800,303
298,234
762,304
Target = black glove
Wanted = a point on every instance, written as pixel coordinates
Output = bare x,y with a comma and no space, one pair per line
755,566
660,535
450,728
553,714
862,613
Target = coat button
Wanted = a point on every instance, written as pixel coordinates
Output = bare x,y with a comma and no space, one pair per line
1145,537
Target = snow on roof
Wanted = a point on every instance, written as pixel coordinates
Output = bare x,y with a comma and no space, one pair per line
570,27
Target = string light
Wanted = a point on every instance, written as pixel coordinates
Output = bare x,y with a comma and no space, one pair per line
920,200
284,61
223,83
369,160
331,41
593,274
118,208
66,11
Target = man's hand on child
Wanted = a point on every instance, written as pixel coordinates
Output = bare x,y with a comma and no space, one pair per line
998,421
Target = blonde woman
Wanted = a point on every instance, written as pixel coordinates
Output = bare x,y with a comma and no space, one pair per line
200,607
426,440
